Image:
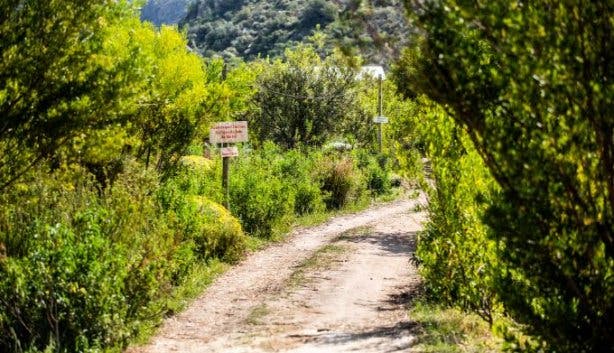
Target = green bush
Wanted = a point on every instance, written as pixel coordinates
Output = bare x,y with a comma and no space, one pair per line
198,176
261,199
217,233
340,181
204,223
61,280
531,87
375,170
297,168
308,198
67,290
267,186
81,270
456,257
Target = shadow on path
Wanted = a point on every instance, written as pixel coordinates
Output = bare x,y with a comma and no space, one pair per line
398,243
381,337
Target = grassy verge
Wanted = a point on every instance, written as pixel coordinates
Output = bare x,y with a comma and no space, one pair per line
449,330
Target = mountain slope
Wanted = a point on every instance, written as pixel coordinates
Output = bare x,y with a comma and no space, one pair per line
377,30
164,11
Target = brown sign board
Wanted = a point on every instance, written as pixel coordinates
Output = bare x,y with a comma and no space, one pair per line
380,119
228,132
232,151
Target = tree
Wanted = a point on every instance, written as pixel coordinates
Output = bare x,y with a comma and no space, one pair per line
177,100
303,100
91,84
530,82
53,84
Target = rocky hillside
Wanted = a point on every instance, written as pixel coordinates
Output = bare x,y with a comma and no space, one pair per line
164,11
375,29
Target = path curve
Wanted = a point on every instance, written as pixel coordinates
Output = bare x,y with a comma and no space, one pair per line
221,311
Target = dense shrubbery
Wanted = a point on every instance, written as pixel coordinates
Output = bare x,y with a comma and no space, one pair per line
92,244
260,197
81,270
375,170
271,186
457,259
101,263
529,85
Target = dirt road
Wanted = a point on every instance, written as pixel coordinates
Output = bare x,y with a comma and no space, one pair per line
338,287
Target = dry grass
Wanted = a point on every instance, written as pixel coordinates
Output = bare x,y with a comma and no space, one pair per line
257,314
324,259
449,330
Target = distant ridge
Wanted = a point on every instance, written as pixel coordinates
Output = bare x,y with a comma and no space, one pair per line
247,29
164,11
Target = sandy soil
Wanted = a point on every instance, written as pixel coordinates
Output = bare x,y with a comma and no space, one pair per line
356,304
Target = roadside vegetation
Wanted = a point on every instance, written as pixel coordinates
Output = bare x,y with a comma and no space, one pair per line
111,215
110,198
444,329
520,144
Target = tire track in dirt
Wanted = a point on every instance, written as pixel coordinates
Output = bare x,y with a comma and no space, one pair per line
376,270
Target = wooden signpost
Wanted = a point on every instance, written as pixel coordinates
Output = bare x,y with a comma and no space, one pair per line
380,119
223,134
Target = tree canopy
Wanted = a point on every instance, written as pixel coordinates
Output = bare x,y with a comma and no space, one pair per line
91,84
303,100
530,83
53,81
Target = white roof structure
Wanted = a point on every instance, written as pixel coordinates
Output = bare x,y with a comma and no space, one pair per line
375,71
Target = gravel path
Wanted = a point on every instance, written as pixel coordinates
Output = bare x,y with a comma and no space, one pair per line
355,305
